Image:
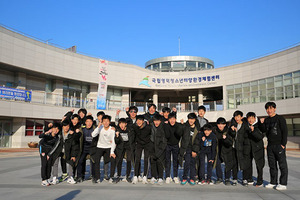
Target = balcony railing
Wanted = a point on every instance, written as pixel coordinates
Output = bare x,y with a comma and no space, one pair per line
40,97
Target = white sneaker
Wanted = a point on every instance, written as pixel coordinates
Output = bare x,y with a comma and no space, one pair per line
281,187
153,181
176,180
168,180
45,183
110,180
54,181
145,180
140,179
160,181
270,186
71,180
135,180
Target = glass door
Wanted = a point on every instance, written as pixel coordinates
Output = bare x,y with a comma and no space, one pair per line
5,133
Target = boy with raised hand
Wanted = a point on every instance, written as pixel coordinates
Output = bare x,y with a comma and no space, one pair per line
188,150
225,152
124,144
142,133
241,145
174,131
257,147
276,132
208,144
48,151
104,134
157,155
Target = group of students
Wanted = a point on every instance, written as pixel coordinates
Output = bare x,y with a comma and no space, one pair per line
195,144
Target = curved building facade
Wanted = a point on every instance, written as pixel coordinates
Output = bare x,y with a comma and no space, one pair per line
58,80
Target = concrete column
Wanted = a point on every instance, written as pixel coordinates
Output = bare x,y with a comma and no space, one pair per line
125,99
155,98
20,80
200,97
18,129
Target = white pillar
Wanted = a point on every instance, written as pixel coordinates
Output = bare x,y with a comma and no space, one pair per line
224,98
200,97
57,94
155,98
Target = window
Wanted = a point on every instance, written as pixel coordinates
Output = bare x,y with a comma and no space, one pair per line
201,65
209,66
191,66
155,67
165,66
34,127
178,66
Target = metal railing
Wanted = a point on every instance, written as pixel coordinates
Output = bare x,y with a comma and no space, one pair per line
41,97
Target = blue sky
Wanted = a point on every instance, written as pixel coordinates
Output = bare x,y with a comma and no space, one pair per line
226,31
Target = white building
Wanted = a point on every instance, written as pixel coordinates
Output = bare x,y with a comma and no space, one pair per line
61,80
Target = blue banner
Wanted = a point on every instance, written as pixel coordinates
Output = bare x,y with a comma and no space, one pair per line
11,93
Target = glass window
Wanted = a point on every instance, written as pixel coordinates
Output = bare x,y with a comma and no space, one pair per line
29,128
278,83
165,66
231,101
238,88
201,65
254,86
287,76
178,66
34,127
288,91
287,81
297,90
296,80
209,66
278,78
262,84
270,83
296,74
155,67
191,65
246,87
270,94
254,97
238,98
289,124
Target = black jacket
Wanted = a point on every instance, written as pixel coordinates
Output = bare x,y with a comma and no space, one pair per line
225,149
141,135
241,143
72,148
149,117
276,130
174,133
160,141
257,145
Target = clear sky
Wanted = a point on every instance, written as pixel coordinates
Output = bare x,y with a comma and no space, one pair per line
135,31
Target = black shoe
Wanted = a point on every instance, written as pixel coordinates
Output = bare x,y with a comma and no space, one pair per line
116,180
227,182
106,177
79,180
94,181
128,180
90,177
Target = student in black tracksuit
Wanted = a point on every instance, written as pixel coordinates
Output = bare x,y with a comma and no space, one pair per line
190,133
157,153
257,146
205,146
200,122
142,133
86,141
276,132
70,149
48,153
174,131
239,131
219,131
124,142
225,151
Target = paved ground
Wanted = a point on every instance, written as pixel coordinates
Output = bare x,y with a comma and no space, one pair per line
20,179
